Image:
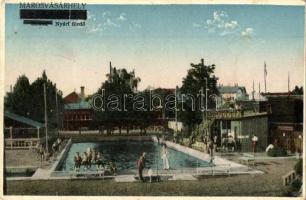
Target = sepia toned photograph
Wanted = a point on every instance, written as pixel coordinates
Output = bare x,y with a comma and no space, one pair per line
186,100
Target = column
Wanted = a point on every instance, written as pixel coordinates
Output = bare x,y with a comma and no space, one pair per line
11,136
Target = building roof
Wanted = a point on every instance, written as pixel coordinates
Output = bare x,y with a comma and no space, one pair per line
23,120
231,89
73,97
282,95
78,106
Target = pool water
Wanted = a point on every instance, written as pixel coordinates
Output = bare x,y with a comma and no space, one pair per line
126,153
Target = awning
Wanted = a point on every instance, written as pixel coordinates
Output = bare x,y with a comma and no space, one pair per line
23,120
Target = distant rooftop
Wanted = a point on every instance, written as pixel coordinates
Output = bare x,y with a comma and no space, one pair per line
231,89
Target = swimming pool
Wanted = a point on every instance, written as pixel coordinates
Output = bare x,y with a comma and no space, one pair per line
126,153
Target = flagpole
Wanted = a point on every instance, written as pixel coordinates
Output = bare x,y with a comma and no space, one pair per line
259,91
265,76
253,92
288,82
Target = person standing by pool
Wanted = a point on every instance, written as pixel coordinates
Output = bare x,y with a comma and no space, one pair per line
42,154
215,142
164,157
254,143
141,163
150,173
211,150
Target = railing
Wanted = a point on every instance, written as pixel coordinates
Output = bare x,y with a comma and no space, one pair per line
221,169
76,174
289,177
21,143
232,114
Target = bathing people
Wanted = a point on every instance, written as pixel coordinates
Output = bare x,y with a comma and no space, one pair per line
89,156
85,160
99,161
77,161
93,156
164,157
113,167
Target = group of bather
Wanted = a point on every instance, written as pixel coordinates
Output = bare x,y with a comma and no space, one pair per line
92,157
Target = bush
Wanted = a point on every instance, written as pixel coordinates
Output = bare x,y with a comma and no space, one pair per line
277,152
299,167
293,189
296,185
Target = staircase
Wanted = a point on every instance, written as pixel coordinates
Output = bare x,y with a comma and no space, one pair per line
204,127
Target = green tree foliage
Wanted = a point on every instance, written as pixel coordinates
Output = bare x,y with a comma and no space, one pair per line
192,84
28,99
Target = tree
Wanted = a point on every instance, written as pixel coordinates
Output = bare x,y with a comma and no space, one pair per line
297,90
193,83
28,99
20,99
120,82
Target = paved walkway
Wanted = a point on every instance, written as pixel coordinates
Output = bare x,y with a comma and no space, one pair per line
41,174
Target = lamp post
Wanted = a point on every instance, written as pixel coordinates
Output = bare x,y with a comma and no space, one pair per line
46,118
206,90
176,128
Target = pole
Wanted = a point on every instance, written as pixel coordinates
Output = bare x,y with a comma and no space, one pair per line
176,110
216,103
259,91
265,75
288,82
11,136
206,89
46,118
253,92
56,103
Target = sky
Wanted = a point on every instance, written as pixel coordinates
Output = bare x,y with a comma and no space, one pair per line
160,42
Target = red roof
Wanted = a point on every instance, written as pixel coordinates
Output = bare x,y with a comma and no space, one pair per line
73,97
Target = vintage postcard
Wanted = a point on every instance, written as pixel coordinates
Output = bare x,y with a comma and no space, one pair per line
191,99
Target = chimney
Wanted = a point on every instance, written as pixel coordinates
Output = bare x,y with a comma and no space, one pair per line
82,94
202,61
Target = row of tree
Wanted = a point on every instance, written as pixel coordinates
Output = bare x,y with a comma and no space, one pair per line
27,100
120,81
